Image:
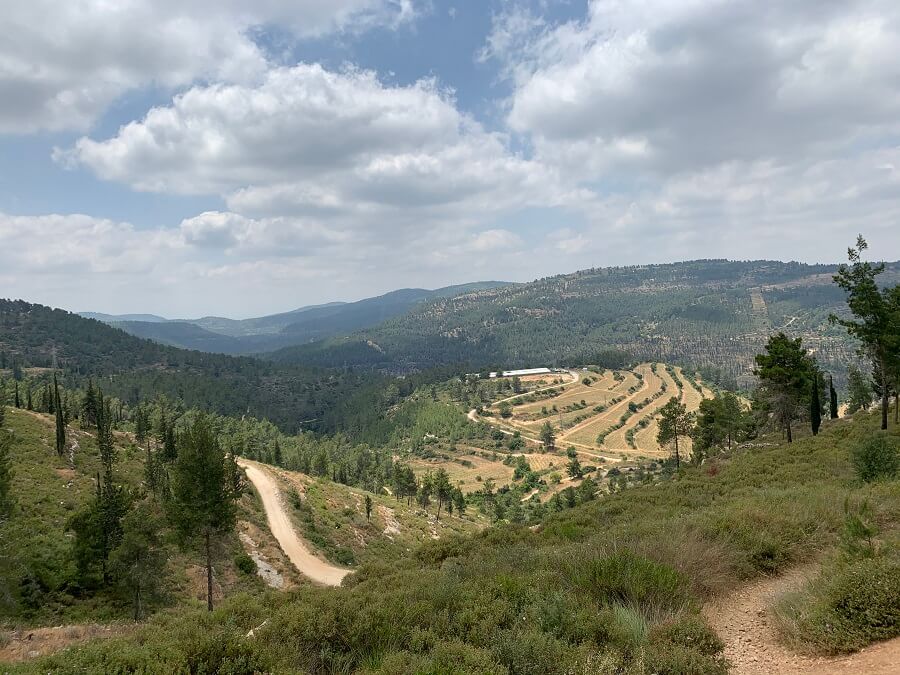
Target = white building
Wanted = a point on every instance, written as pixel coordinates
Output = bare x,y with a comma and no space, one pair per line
523,372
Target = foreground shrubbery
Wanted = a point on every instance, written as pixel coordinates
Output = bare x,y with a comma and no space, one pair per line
611,586
851,604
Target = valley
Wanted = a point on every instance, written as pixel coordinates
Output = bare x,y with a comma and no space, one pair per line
444,517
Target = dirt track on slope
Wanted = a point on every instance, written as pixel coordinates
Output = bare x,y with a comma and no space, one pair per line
296,550
744,621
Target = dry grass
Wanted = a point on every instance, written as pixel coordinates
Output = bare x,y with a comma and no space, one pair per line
466,477
24,645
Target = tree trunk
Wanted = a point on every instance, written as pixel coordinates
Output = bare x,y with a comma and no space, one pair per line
440,504
209,585
677,456
790,436
885,398
897,406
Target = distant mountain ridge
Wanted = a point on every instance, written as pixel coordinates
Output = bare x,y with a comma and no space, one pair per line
710,314
276,331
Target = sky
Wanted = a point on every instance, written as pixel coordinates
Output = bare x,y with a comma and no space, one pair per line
241,158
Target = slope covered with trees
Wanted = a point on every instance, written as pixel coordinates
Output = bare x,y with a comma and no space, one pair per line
307,324
710,314
132,369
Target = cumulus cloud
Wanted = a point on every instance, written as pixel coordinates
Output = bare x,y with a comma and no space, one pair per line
63,63
336,147
672,86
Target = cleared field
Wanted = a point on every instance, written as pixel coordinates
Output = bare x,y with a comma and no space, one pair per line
572,393
465,475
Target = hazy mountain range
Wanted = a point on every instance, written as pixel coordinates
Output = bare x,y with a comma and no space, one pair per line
276,331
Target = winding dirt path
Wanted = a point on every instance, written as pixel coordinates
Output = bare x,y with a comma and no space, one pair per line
745,623
296,550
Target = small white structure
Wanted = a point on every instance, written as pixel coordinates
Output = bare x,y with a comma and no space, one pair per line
523,372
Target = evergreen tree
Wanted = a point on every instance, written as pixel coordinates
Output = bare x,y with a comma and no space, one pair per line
548,437
876,322
859,391
60,421
675,422
832,398
89,406
6,472
368,508
442,489
140,424
785,370
18,403
815,406
202,500
139,560
29,404
277,459
459,501
574,468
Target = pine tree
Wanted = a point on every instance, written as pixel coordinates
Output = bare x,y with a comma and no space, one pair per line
815,406
29,405
876,322
675,422
548,438
139,560
202,499
459,501
368,508
859,392
18,402
442,489
785,370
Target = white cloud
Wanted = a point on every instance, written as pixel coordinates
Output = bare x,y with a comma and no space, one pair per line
669,86
337,148
63,63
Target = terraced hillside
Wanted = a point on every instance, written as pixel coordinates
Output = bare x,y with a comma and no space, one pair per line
710,314
603,413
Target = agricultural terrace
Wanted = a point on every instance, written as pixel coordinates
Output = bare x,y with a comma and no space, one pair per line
602,413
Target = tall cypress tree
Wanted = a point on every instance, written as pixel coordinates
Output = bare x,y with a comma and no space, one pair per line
60,419
815,406
89,411
18,400
832,398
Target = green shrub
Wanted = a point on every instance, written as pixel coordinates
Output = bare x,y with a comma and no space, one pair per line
849,606
876,457
668,659
632,581
245,563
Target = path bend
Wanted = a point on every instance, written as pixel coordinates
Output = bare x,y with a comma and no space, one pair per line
283,530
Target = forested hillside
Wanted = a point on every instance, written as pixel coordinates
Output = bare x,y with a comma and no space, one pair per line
34,336
307,324
710,314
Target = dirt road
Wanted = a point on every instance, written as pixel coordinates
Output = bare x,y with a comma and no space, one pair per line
744,621
296,550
